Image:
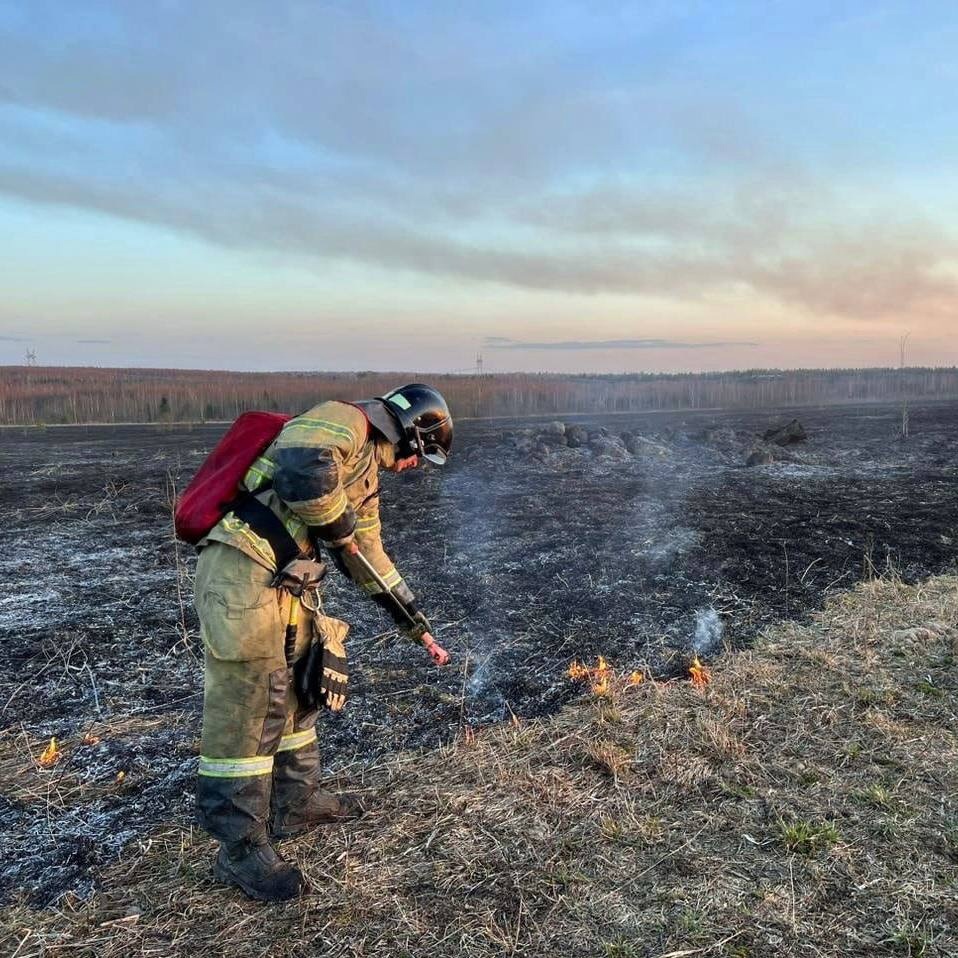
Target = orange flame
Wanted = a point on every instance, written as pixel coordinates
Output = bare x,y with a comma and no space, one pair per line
51,755
699,674
120,776
577,671
601,676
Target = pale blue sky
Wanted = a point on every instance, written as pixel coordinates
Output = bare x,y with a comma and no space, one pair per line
558,185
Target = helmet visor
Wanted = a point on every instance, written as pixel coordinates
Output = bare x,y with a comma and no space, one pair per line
435,442
435,456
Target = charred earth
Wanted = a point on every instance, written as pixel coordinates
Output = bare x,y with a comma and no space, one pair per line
643,538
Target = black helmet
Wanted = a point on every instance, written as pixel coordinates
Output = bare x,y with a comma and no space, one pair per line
414,417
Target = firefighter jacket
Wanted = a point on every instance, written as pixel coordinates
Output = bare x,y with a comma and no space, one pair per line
320,476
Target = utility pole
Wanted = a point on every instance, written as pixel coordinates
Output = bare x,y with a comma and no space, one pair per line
478,383
904,392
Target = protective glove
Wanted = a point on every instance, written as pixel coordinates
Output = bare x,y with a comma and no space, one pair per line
333,683
307,677
336,533
321,673
401,605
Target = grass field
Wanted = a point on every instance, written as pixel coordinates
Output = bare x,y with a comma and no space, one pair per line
805,802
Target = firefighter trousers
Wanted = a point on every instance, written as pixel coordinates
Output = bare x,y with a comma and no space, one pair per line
253,725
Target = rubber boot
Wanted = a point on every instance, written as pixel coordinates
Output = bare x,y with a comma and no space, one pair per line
299,801
235,810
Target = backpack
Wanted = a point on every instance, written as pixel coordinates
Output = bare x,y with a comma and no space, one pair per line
216,487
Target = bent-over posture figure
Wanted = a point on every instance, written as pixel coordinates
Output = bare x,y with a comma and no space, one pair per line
316,484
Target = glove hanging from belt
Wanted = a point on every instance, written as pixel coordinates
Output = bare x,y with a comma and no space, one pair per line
320,675
335,673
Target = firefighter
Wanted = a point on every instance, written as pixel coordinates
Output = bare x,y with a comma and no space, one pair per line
316,485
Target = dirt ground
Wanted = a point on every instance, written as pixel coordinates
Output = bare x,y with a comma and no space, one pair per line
526,556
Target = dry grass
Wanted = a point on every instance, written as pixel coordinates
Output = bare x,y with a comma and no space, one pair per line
805,803
66,781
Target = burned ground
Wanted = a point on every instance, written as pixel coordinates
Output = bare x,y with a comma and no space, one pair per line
802,802
527,555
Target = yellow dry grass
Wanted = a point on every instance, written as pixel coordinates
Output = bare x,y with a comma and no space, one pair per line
804,803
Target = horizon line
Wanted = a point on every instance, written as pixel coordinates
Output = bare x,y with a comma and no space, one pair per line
474,373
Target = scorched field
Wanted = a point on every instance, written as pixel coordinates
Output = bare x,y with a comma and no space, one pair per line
646,539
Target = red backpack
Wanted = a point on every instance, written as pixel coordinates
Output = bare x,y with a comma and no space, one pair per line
216,485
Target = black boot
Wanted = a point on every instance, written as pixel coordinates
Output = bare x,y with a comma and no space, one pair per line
299,802
234,810
258,870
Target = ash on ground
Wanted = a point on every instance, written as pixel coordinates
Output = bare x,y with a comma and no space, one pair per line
644,538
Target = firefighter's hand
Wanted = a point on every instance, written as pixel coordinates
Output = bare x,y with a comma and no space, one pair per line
436,652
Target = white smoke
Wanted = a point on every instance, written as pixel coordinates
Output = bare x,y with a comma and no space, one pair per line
479,679
708,632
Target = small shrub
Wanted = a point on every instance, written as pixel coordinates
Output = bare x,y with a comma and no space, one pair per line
611,828
911,940
621,948
807,837
878,796
926,687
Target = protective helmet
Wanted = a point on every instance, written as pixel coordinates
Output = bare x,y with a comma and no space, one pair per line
416,418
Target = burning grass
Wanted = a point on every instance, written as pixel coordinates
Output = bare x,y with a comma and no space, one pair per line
803,802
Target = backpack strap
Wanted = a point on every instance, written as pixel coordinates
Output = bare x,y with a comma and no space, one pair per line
265,523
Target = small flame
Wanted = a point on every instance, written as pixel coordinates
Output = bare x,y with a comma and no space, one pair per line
699,674
51,755
577,671
600,676
120,776
90,739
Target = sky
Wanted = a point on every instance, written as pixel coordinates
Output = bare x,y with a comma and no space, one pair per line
554,186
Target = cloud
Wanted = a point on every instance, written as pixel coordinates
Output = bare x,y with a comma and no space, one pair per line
502,342
530,149
98,342
875,271
14,339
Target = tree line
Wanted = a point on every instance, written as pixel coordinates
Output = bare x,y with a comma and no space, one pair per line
54,395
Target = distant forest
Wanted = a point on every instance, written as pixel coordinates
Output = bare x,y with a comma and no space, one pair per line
30,394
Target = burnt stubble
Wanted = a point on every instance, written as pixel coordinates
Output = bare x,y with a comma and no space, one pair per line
526,554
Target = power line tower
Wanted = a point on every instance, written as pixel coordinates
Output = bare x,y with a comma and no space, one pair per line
479,364
31,357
